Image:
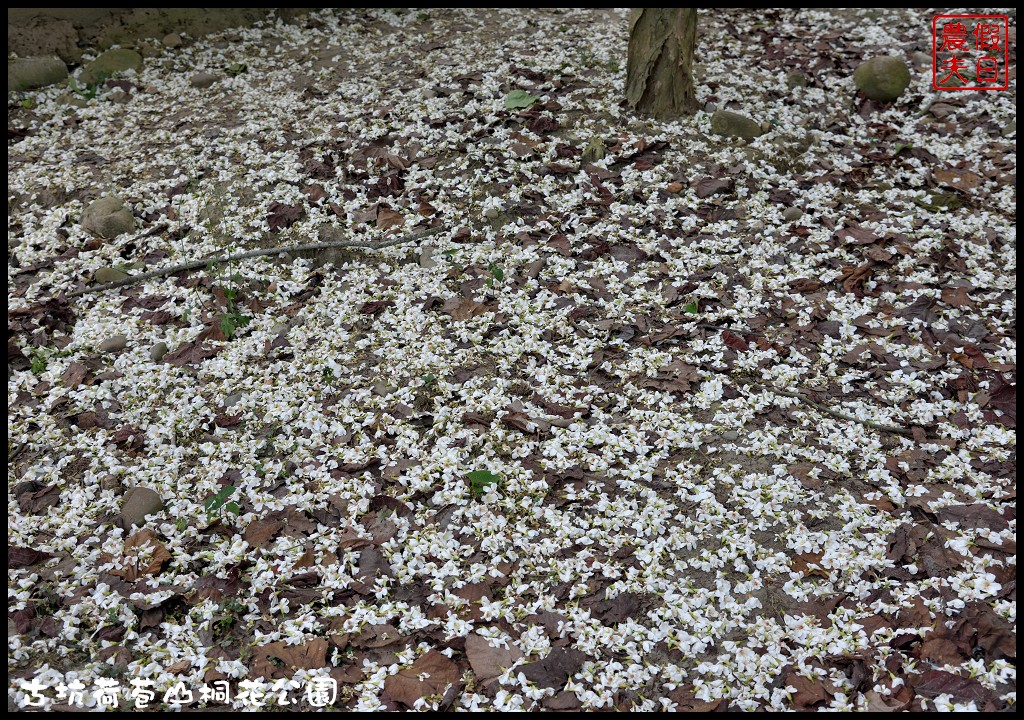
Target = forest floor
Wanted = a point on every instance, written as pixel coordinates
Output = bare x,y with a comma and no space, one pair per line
657,418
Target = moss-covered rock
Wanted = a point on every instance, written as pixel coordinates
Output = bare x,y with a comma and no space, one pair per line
108,63
34,72
731,124
108,217
882,78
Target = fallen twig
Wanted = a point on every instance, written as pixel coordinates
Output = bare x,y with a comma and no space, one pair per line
196,264
841,415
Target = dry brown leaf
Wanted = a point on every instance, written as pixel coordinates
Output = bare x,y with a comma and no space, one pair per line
143,555
388,218
75,375
376,636
810,564
488,661
463,308
430,675
957,179
261,533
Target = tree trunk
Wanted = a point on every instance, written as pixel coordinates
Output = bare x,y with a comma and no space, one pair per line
659,81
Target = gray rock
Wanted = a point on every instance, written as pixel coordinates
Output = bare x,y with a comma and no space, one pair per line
1010,129
921,59
280,329
108,217
382,388
73,99
108,274
232,399
139,502
731,124
113,344
171,40
118,95
202,80
150,49
108,63
797,79
34,72
111,482
882,78
730,435
157,352
427,258
792,214
756,226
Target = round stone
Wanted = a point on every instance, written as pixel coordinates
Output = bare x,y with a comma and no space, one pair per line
108,217
202,80
113,344
138,503
882,78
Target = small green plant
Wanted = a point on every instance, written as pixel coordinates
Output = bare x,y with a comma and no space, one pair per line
496,274
236,69
221,500
430,381
231,612
691,308
38,363
28,103
232,319
481,480
89,91
519,100
612,65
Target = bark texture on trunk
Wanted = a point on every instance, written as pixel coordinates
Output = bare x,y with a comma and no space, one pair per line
659,78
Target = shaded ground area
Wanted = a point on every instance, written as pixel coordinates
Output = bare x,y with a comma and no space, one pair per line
68,32
659,419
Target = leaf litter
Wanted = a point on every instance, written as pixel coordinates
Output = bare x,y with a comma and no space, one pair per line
617,447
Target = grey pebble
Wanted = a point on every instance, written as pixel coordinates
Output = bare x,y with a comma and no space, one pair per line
157,352
382,388
792,214
139,502
730,435
113,344
427,258
202,80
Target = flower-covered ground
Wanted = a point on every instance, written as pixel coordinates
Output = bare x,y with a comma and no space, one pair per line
657,418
